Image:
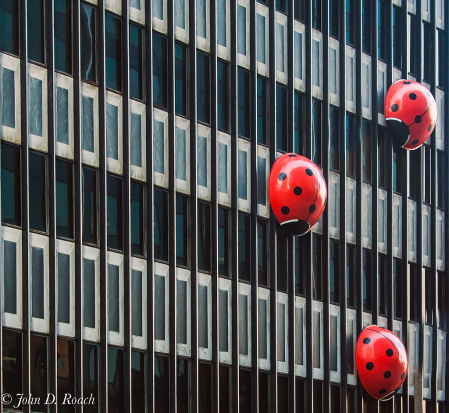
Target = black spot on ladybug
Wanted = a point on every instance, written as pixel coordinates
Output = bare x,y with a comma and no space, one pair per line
415,142
406,83
402,376
285,210
366,340
282,176
387,374
312,208
412,96
369,366
297,190
418,119
292,155
382,391
394,107
430,128
309,172
389,352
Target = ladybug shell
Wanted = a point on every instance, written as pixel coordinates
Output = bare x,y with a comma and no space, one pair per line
298,193
382,363
411,113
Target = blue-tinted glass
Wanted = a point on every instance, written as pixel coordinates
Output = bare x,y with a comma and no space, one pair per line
158,9
160,71
221,22
366,151
381,30
397,38
63,35
316,131
160,225
349,21
204,239
222,96
333,18
180,14
241,30
89,206
63,280
334,154
135,62
89,291
62,115
262,181
113,51
64,199
316,14
366,26
116,378
9,98
10,277
350,162
334,271
35,27
412,43
223,241
282,5
88,22
112,131
11,206
299,10
9,26
203,80
35,106
262,114
262,257
261,56
244,247
115,213
37,283
113,298
135,137
181,79
37,188
181,230
87,123
137,219
201,27
244,104
281,118
201,169
298,124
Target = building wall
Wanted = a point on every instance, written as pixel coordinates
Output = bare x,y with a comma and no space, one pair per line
141,261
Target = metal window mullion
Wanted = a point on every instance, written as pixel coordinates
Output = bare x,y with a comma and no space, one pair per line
272,220
254,206
149,208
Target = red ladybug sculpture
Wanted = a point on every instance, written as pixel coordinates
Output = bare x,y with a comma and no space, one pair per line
382,362
411,113
298,193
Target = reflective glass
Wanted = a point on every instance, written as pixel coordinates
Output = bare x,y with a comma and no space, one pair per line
316,14
180,79
334,154
182,399
36,31
66,375
333,18
316,131
9,26
262,114
138,384
366,269
349,21
116,378
244,247
204,237
181,230
223,242
350,161
62,115
63,266
366,151
334,270
262,253
90,376
10,185
160,225
135,62
205,388
37,192
244,104
161,384
282,260
63,36
137,218
115,213
298,124
366,26
397,37
88,23
281,118
38,372
317,272
222,96
64,199
12,364
90,206
8,94
381,30
160,70
245,390
113,51
203,88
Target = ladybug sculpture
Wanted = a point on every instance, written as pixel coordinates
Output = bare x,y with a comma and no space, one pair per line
411,113
298,193
382,362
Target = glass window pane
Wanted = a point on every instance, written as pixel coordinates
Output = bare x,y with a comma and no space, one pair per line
10,277
317,272
223,241
262,181
222,150
9,27
299,258
222,96
135,62
366,154
381,30
223,321
262,252
8,94
62,115
181,230
11,206
261,38
316,14
89,293
241,30
264,392
114,298
244,104
281,118
181,311
35,30
63,288
136,303
349,21
282,260
90,206
366,26
262,114
37,192
441,179
136,140
282,5
161,384
138,385
221,22
66,376
350,162
159,307
180,79
244,247
283,393
180,18
333,18
245,390
316,131
397,283
205,388
204,238
350,276
412,43
63,35
334,270
87,123
397,37
182,399
90,376
160,225
300,12
112,131
334,154
202,161
298,124
160,70
366,260
225,388
397,181
381,158
35,106
64,199
181,154
203,88
38,372
383,285
115,213
242,175
201,29
158,9
88,22
116,377
158,146
12,364
113,51
137,219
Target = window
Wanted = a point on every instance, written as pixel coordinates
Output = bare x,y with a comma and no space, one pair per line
333,18
366,263
66,371
135,62
203,88
441,300
64,199
182,398
244,246
38,371
9,26
115,212
225,388
334,271
300,11
205,388
116,378
298,124
161,383
351,265
281,118
441,58
366,148
137,219
349,21
38,192
88,22
180,79
397,37
63,35
299,268
316,131
397,181
428,51
222,96
90,206
138,385
113,51
397,283
282,393
412,44
317,396
441,180
415,173
181,230
428,294
334,154
316,14
160,70
204,238
90,374
282,6
381,28
282,260
427,190
414,287
382,288
244,104
381,158
366,26
350,161
36,30
262,110
245,390
10,180
12,364
262,252
160,225
223,241
264,392
335,399
317,273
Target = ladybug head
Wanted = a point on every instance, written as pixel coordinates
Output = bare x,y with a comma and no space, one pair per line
296,226
399,130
